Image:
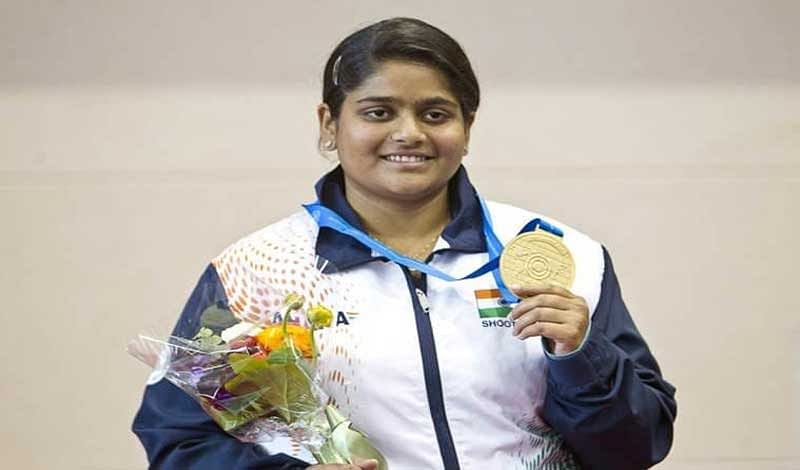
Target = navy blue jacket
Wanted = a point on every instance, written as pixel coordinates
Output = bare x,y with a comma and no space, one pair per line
608,400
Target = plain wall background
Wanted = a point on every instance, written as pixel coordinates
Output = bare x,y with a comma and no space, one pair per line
139,138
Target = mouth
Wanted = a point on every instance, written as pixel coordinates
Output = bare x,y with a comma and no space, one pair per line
406,158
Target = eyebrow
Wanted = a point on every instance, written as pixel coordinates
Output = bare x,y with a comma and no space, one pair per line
433,101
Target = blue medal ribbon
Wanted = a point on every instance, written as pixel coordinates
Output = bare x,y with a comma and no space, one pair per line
330,219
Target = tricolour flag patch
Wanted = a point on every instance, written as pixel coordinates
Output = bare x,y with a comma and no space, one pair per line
490,305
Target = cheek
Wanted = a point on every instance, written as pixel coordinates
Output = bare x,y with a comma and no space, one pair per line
360,138
451,141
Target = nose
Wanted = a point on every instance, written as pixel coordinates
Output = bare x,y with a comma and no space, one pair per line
407,131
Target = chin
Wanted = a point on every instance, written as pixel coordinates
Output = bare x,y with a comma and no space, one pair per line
411,193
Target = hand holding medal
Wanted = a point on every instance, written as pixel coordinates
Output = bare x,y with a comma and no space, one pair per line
539,269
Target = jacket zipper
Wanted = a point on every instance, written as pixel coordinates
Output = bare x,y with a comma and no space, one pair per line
430,367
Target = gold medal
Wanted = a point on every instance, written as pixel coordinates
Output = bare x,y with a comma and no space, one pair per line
537,257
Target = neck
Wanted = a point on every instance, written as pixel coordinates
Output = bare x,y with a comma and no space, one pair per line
401,224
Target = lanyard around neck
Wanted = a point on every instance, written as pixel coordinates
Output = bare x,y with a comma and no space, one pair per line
327,218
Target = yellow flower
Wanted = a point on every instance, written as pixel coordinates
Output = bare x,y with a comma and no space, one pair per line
272,338
320,316
293,301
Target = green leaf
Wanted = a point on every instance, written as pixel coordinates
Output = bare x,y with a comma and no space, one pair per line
284,355
290,394
239,361
204,333
217,319
206,339
234,415
284,389
348,441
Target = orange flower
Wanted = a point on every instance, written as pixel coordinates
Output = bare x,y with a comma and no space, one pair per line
272,338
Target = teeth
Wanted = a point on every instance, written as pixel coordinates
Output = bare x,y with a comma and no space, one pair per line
405,158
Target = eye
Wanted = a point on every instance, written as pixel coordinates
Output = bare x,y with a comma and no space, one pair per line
377,114
436,115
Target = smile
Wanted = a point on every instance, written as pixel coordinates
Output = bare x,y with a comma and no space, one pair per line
406,158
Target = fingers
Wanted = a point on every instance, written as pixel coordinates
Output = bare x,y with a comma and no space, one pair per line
370,464
551,301
561,333
551,312
531,290
538,314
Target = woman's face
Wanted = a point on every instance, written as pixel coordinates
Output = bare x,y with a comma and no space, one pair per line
400,136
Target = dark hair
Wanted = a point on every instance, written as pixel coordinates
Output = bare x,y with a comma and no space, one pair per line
359,54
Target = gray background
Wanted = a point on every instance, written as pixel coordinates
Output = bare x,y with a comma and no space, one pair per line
138,139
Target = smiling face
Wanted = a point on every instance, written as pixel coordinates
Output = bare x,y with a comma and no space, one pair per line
400,135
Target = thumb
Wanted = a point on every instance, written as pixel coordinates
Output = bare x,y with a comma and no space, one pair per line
370,464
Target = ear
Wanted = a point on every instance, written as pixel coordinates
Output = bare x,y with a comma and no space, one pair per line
327,124
468,120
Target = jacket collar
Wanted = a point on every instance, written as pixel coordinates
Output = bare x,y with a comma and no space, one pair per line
464,233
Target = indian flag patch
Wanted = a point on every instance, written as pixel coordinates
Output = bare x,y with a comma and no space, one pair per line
490,304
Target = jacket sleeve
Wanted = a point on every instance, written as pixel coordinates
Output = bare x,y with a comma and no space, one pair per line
175,431
608,400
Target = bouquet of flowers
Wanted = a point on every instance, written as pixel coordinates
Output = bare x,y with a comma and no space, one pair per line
259,383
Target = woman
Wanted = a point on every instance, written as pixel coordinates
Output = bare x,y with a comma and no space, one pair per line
435,379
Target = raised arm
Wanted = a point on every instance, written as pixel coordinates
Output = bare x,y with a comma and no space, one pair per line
608,400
